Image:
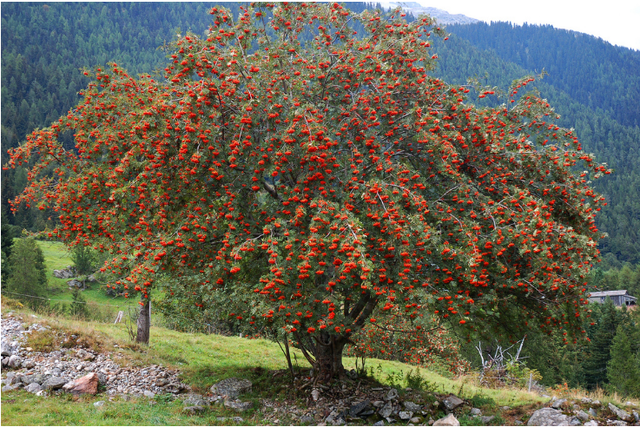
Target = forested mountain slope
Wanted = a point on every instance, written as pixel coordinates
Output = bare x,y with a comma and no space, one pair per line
611,136
593,85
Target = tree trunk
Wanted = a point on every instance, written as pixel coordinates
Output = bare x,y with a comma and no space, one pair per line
328,355
144,321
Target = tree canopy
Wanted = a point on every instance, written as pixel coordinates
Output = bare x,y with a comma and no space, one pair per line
316,182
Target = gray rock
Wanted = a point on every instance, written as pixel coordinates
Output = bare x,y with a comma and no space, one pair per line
149,394
28,364
617,423
415,420
405,415
99,403
582,415
307,419
192,409
232,387
238,405
392,394
475,412
194,400
33,388
15,361
557,403
636,416
593,412
236,420
451,402
9,388
5,361
6,349
487,419
65,273
449,420
413,407
54,383
379,423
620,413
386,410
596,403
549,417
362,409
586,400
591,423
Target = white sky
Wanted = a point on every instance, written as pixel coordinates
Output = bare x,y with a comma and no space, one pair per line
616,21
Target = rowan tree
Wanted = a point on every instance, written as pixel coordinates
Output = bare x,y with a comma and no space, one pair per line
307,184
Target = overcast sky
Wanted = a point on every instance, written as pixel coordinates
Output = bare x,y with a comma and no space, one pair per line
616,21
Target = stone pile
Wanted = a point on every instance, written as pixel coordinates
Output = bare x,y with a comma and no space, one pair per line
44,373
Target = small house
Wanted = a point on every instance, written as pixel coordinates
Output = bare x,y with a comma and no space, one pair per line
619,298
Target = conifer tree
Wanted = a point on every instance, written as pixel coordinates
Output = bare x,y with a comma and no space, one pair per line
623,369
28,280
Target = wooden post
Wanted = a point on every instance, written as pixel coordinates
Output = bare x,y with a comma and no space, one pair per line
119,317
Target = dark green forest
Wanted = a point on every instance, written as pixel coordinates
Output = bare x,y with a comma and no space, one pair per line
594,86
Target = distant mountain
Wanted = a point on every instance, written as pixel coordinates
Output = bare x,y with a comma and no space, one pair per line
442,16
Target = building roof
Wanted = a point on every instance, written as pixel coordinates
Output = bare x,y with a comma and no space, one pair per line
610,294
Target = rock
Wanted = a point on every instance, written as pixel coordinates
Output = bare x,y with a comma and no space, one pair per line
307,419
596,403
410,406
586,400
99,403
392,394
415,420
6,349
65,273
616,423
15,361
386,410
487,419
195,400
238,405
582,415
451,402
593,412
192,409
636,416
557,404
362,409
549,417
475,412
42,393
379,423
83,385
449,420
232,387
149,394
591,423
236,420
73,283
405,415
54,383
33,388
620,413
9,388
28,364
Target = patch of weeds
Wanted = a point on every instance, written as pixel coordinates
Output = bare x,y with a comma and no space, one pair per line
42,341
395,379
164,398
480,401
467,420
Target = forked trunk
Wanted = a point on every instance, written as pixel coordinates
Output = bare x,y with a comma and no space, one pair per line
144,321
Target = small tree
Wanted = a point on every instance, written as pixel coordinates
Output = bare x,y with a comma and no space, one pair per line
79,305
84,259
299,167
28,279
623,369
7,244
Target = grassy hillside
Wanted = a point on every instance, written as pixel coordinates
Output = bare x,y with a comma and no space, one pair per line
204,360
